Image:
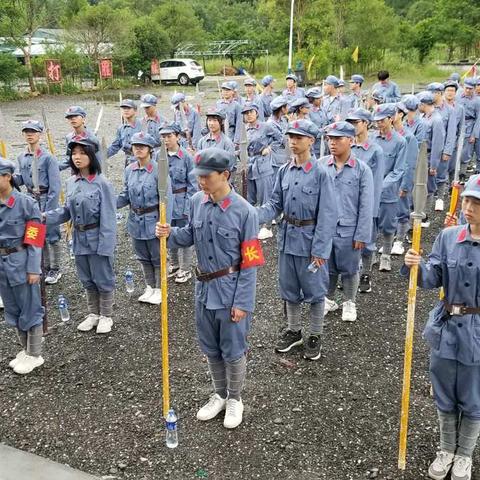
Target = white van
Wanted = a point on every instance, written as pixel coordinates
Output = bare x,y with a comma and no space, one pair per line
181,70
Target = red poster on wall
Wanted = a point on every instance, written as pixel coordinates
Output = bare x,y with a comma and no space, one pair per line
105,68
53,71
155,67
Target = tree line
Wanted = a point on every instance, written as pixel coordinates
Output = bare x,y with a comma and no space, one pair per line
326,32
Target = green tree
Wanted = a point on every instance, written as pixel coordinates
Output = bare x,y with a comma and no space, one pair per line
98,28
180,23
19,20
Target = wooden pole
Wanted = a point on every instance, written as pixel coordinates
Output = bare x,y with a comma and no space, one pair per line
162,194
419,202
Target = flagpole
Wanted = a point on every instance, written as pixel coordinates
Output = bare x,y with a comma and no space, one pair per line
290,44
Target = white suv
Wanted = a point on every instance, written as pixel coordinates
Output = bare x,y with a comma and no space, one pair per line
181,70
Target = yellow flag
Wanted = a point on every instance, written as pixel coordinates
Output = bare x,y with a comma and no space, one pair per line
355,55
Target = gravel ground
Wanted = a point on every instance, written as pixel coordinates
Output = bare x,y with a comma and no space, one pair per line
96,403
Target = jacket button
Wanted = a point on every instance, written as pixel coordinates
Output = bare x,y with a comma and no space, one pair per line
210,240
460,325
210,258
467,284
475,244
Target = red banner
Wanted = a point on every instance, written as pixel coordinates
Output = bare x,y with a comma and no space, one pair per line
53,71
105,68
35,233
155,67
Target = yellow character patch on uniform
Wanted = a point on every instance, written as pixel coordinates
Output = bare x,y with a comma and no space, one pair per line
252,254
35,234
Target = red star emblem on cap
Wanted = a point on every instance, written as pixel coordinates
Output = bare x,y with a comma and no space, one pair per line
197,158
295,125
334,126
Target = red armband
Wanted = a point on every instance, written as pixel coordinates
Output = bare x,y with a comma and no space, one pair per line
252,254
35,234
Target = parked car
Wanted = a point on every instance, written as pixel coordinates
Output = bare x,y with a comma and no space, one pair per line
181,70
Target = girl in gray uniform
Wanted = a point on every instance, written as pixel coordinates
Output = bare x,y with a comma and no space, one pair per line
140,192
20,253
91,205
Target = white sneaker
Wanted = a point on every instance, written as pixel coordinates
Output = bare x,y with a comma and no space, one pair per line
462,468
146,294
233,414
212,408
397,248
156,297
265,233
439,205
27,363
90,322
17,359
104,324
440,467
172,270
183,276
53,276
1,302
385,263
330,306
349,311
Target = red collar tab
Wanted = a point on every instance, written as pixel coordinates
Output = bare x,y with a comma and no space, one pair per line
330,160
308,166
462,236
180,153
10,202
401,132
89,178
80,136
351,162
205,197
366,145
389,135
197,159
226,202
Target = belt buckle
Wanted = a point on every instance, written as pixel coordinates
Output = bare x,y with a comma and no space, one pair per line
457,310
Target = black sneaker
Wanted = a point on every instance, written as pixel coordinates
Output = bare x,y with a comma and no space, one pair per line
313,348
365,284
288,340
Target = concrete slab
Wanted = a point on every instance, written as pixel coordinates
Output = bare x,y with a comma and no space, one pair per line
18,465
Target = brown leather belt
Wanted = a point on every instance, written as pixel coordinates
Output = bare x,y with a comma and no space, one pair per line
461,309
90,226
7,251
206,277
180,190
142,211
297,222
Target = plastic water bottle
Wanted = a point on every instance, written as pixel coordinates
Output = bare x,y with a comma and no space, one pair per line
63,307
312,268
129,281
172,434
70,249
